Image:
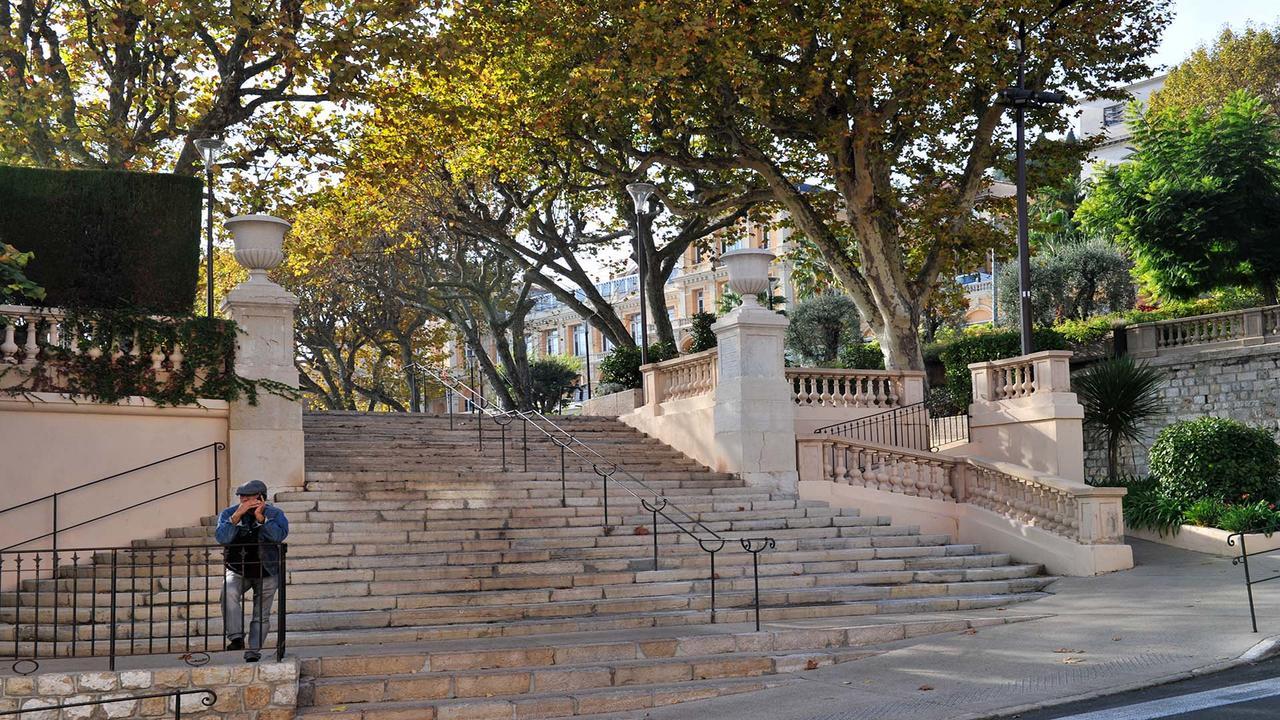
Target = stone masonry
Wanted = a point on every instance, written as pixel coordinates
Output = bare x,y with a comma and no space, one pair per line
1241,383
265,691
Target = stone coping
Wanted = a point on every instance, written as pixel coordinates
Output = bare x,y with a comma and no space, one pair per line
1210,541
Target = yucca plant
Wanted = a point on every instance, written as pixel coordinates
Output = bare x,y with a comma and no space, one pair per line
1118,395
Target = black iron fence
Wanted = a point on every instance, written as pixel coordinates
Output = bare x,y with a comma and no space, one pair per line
608,470
1243,560
207,699
915,427
116,601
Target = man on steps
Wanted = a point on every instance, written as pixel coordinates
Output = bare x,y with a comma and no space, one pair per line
251,532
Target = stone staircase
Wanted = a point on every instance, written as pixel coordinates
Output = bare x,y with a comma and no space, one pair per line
427,582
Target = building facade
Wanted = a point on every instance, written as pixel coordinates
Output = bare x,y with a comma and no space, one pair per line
1107,118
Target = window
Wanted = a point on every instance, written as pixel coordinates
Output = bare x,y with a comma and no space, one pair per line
605,343
581,334
553,343
635,327
1112,115
699,304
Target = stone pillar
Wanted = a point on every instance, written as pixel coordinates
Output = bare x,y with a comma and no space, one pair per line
265,439
755,426
1024,413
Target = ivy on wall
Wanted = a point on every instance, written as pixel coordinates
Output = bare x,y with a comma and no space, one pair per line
106,356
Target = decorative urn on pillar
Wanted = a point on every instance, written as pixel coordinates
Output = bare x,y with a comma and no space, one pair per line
748,272
259,241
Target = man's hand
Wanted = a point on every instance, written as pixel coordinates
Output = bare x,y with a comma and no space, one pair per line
260,512
246,506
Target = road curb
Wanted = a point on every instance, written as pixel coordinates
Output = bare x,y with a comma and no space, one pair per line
1262,650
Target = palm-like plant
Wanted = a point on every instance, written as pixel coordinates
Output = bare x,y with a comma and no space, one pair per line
1118,395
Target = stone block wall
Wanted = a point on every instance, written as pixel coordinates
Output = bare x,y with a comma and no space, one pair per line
261,691
1238,383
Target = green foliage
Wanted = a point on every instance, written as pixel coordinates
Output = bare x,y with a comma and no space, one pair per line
1198,204
820,327
986,345
1118,396
105,239
1257,516
1248,59
1070,281
207,369
1146,508
14,285
1216,458
700,330
552,380
622,366
862,356
730,300
1205,512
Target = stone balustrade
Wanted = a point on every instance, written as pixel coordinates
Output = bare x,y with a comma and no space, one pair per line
680,378
1022,377
822,387
1237,328
28,333
1078,512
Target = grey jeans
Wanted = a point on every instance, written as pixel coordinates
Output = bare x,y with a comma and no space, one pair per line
233,590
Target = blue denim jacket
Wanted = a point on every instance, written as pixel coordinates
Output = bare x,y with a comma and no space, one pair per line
273,530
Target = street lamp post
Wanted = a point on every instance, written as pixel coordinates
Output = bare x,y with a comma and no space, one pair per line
640,193
1020,98
209,149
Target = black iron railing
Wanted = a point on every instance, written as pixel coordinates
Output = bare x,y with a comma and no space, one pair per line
117,601
1243,560
568,444
43,706
53,500
914,427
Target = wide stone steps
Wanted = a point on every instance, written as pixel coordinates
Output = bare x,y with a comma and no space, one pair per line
345,628
425,580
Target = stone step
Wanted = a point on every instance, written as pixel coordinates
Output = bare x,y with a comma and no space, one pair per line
362,628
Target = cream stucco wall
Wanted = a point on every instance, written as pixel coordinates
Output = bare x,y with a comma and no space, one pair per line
50,443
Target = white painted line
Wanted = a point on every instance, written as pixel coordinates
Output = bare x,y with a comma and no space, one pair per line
1186,703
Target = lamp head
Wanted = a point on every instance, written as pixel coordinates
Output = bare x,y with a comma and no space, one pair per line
209,147
640,193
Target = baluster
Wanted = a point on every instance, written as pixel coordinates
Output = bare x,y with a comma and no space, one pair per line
877,398
32,348
135,349
946,489
9,348
847,397
157,359
175,358
859,397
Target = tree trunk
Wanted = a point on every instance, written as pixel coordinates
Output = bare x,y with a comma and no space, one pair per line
655,288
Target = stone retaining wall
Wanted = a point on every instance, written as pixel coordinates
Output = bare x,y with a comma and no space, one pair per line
1238,383
262,691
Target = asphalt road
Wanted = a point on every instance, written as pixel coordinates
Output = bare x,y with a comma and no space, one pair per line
1246,693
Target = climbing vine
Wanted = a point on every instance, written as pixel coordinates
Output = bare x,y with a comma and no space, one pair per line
109,355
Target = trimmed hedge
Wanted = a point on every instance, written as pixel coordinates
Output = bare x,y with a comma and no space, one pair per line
1216,458
105,238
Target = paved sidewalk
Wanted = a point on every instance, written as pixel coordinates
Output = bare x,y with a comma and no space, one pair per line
1176,614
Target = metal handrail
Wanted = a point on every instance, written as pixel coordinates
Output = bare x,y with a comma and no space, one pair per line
1243,559
896,427
571,443
209,700
216,446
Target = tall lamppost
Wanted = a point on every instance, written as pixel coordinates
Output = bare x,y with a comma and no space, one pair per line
209,149
640,193
1020,98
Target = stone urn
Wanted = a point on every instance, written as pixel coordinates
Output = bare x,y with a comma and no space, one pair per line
748,272
259,241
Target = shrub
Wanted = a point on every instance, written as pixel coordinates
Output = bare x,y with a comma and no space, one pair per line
622,366
1146,508
1260,516
105,238
1216,458
1073,281
607,388
700,330
1118,396
1205,512
821,326
862,356
985,345
552,380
